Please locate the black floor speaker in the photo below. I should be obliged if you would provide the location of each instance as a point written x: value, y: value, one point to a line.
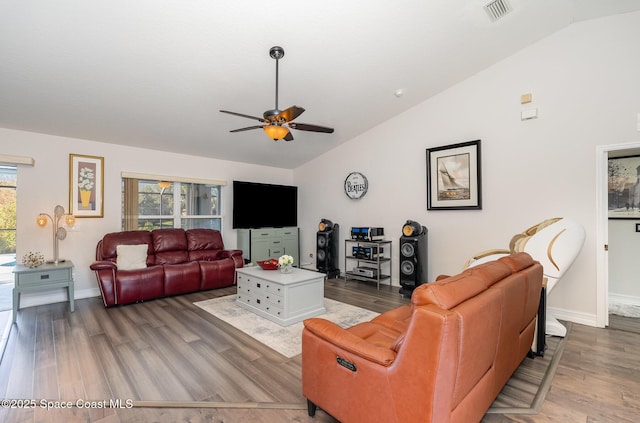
x: 327, y: 245
x: 413, y: 257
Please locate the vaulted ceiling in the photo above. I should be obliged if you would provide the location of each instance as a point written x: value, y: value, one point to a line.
x: 155, y: 73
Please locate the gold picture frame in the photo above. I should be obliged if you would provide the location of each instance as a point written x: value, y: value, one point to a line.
x: 86, y: 185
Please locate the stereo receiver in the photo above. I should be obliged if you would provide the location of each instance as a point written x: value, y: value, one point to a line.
x: 367, y: 252
x: 367, y: 233
x: 369, y: 272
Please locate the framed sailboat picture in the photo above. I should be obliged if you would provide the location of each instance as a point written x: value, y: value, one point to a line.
x: 454, y: 177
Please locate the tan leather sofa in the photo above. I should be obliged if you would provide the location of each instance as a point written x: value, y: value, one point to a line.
x: 444, y: 358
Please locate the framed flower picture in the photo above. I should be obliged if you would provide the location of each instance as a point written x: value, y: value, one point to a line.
x: 86, y: 186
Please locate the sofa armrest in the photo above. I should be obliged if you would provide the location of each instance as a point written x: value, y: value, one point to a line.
x: 230, y: 253
x: 344, y: 339
x: 103, y: 265
x: 236, y: 255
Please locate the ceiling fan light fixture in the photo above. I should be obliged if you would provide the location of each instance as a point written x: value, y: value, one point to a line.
x: 276, y: 122
x: 276, y: 132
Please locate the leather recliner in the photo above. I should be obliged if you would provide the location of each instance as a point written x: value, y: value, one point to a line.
x: 444, y: 358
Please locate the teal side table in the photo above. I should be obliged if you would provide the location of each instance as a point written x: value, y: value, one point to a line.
x: 41, y: 278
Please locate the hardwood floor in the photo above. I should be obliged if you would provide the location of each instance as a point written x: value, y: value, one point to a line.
x: 629, y: 324
x: 169, y: 350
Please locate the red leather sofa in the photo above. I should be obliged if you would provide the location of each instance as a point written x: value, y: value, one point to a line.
x: 442, y: 359
x: 178, y: 261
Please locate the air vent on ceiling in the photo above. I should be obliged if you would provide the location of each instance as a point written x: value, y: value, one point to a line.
x: 496, y: 9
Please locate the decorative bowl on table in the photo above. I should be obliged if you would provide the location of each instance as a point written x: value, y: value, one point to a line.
x: 268, y: 264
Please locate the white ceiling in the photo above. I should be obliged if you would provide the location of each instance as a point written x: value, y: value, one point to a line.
x: 155, y: 73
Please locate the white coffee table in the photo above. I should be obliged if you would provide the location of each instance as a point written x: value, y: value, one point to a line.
x: 283, y: 298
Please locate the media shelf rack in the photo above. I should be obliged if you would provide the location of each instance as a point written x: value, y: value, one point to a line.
x: 370, y: 255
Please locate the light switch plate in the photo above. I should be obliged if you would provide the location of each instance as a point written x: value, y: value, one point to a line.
x: 529, y: 114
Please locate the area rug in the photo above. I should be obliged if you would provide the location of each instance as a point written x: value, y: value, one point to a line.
x: 527, y: 388
x: 285, y: 340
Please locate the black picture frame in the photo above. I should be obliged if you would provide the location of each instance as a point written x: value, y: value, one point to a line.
x: 454, y: 177
x: 623, y: 187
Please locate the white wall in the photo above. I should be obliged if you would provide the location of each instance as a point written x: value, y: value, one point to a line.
x: 43, y: 186
x: 584, y: 81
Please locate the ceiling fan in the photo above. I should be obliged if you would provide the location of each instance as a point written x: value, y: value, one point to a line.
x: 276, y: 122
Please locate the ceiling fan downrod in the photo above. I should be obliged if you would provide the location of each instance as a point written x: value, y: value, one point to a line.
x: 277, y: 53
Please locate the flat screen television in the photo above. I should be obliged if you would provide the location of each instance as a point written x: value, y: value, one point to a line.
x: 257, y: 205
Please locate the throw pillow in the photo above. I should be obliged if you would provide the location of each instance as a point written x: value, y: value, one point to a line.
x: 131, y: 257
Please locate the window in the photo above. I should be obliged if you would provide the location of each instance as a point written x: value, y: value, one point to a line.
x: 152, y: 204
x: 8, y: 182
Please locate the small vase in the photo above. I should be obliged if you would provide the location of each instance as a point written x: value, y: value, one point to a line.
x: 286, y: 269
x: 85, y: 197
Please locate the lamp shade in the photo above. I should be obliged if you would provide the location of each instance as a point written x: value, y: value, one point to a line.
x: 41, y: 220
x: 70, y: 220
x: 276, y: 132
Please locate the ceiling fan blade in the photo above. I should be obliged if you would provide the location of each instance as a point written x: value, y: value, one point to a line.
x: 312, y: 128
x: 247, y: 128
x: 290, y: 114
x: 289, y: 137
x: 246, y: 116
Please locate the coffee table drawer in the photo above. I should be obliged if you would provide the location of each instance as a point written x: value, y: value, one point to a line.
x: 243, y: 297
x: 40, y: 277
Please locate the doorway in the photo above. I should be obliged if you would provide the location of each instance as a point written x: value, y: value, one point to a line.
x: 603, y: 153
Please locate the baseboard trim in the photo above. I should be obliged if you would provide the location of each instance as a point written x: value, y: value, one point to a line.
x: 624, y: 299
x: 586, y: 319
x: 624, y: 305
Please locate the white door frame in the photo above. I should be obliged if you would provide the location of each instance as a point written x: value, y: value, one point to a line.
x: 602, y: 228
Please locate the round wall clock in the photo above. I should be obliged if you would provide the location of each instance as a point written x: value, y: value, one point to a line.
x: 356, y: 185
